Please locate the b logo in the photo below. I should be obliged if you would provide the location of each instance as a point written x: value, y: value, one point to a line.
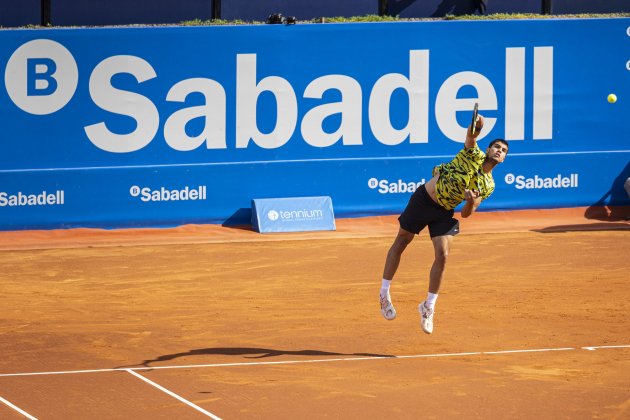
x: 41, y: 77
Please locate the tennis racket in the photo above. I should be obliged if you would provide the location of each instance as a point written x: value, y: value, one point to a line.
x: 473, y: 129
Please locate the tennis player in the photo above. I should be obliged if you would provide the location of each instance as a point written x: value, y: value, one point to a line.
x: 467, y: 178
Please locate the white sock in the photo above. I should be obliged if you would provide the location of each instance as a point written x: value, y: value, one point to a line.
x: 385, y: 287
x: 431, y: 298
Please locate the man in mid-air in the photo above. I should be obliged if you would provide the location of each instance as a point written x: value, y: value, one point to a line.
x: 468, y: 177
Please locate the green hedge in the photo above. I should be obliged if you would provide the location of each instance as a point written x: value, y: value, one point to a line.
x: 377, y: 18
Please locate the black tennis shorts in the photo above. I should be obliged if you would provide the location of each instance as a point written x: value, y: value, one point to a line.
x: 422, y: 211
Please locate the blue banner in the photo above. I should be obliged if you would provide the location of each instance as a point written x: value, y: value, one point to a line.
x: 164, y: 126
x: 292, y: 214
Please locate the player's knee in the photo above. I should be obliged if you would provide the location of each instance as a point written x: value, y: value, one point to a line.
x: 401, y: 243
x: 398, y: 247
x: 441, y: 256
x: 404, y: 240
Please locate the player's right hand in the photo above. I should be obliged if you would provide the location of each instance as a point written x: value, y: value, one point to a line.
x: 478, y: 127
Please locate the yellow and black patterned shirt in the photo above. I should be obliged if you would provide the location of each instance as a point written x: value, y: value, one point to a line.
x: 463, y: 172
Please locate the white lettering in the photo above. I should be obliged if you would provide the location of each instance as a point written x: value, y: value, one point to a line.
x: 247, y: 93
x: 41, y: 78
x: 447, y: 104
x: 400, y: 186
x: 515, y: 93
x: 301, y: 214
x: 349, y: 108
x: 213, y: 113
x: 521, y: 182
x: 417, y: 88
x: 543, y: 93
x: 122, y: 102
x: 146, y: 194
x: 42, y: 199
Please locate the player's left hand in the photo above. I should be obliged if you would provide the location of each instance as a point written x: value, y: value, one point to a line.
x: 471, y: 195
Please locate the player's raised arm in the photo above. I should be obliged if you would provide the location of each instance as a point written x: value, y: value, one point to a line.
x: 471, y: 138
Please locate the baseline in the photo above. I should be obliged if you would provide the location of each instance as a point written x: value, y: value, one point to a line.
x: 339, y: 359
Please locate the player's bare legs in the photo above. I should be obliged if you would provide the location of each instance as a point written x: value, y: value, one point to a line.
x: 441, y: 246
x: 403, y: 238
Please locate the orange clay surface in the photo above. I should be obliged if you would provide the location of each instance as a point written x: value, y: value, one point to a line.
x: 533, y: 321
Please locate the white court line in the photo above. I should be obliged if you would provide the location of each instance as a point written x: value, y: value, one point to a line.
x: 603, y: 347
x: 174, y: 395
x: 416, y: 356
x: 529, y: 351
x: 18, y: 409
x: 289, y: 362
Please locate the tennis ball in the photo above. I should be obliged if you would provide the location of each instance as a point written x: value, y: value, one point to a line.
x: 612, y: 98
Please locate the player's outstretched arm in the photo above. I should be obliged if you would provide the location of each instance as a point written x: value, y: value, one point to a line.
x: 471, y: 139
x: 473, y: 199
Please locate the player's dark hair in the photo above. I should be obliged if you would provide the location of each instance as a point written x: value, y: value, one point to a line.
x: 499, y: 141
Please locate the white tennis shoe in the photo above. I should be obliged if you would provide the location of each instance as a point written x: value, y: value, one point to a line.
x: 426, y: 318
x: 387, y: 309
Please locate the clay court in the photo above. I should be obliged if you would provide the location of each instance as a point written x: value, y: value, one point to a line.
x: 533, y: 321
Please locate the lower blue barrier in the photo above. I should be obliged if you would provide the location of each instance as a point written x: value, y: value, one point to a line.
x: 222, y: 193
x: 292, y: 214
